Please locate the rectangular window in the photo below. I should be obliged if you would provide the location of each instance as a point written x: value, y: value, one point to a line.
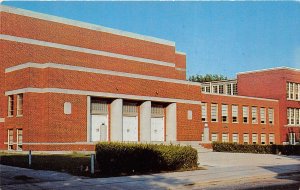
x: 293, y: 116
x: 99, y: 107
x: 221, y: 89
x: 207, y: 89
x: 235, y: 114
x: 157, y: 110
x: 214, y: 112
x: 235, y: 138
x: 263, y: 138
x: 225, y: 137
x: 229, y: 89
x: 246, y: 138
x: 271, y: 115
x: 297, y: 116
x: 296, y: 91
x: 215, y: 89
x: 224, y: 113
x: 245, y: 114
x: 293, y: 91
x: 10, y: 139
x: 130, y: 109
x: 263, y: 115
x: 203, y: 89
x: 19, y: 104
x: 11, y: 105
x: 204, y: 111
x: 19, y: 139
x: 288, y: 90
x: 214, y: 137
x: 235, y: 90
x: 254, y: 115
x: 271, y: 139
x: 254, y: 138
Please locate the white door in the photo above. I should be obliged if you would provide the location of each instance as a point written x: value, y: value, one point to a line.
x: 130, y: 128
x: 157, y: 129
x: 99, y: 131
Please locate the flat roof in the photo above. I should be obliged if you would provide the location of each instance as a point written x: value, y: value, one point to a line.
x: 269, y: 69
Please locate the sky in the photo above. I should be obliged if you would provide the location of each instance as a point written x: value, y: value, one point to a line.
x: 218, y: 37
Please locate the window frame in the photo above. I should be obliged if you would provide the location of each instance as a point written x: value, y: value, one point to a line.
x: 20, y: 103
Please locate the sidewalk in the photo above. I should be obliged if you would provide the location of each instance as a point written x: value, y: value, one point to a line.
x: 219, y: 168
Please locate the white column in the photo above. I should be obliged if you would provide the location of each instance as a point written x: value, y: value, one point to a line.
x: 206, y: 133
x: 171, y: 123
x: 145, y: 124
x: 88, y: 119
x: 116, y: 123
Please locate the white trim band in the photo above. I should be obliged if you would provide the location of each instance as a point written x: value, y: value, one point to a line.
x: 179, y: 52
x: 85, y: 25
x: 236, y: 96
x: 59, y: 143
x: 99, y: 94
x: 182, y: 69
x: 97, y: 71
x: 2, y: 120
x: 83, y: 50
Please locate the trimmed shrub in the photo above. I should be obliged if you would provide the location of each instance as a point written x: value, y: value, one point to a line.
x: 129, y: 158
x: 255, y: 148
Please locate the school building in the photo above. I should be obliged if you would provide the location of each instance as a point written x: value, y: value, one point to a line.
x: 66, y: 85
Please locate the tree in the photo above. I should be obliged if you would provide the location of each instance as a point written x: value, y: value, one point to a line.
x: 207, y: 78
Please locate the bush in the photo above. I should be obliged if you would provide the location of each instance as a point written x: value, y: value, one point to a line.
x: 255, y: 148
x: 129, y: 158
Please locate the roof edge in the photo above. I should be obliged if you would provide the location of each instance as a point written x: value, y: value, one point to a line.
x: 269, y: 69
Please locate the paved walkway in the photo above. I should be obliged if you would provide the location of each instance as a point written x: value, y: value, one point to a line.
x: 220, y: 168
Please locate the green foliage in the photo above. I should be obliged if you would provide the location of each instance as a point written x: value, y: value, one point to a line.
x: 129, y: 158
x: 255, y: 148
x: 207, y: 78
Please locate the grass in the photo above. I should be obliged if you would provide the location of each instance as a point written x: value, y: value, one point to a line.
x: 75, y: 163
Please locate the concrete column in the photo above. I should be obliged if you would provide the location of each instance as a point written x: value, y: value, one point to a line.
x: 88, y: 119
x: 171, y: 123
x: 205, y: 133
x: 145, y: 124
x: 116, y: 123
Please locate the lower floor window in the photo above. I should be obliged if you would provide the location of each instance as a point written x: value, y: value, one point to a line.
x: 246, y: 138
x: 225, y: 137
x: 19, y: 139
x: 271, y: 139
x: 263, y: 138
x: 214, y: 137
x: 10, y: 139
x: 235, y: 138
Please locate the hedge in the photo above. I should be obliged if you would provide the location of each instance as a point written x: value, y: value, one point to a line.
x: 130, y: 158
x: 255, y: 148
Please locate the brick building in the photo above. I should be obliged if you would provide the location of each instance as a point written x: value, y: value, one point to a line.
x: 65, y: 85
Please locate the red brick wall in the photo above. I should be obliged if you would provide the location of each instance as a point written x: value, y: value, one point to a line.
x: 272, y: 84
x: 188, y: 130
x: 240, y: 127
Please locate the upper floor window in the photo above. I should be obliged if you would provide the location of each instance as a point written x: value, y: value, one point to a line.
x: 224, y: 113
x: 214, y: 112
x: 234, y: 114
x: 19, y: 104
x: 10, y: 105
x: 271, y: 115
x: 293, y: 91
x: 263, y: 115
x: 234, y: 89
x: 229, y: 89
x: 215, y: 89
x: 221, y: 89
x: 204, y: 111
x: 245, y: 114
x: 207, y: 89
x: 254, y: 115
x: 293, y: 116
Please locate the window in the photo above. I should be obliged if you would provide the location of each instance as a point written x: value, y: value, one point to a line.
x: 254, y: 115
x: 254, y: 138
x: 271, y: 115
x: 235, y: 138
x: 225, y: 137
x: 19, y: 139
x: 271, y: 139
x: 10, y: 139
x: 293, y: 91
x: 19, y: 104
x: 214, y: 137
x: 204, y: 111
x: 207, y: 89
x: 189, y: 114
x: 157, y: 110
x: 263, y: 115
x: 11, y: 105
x: 263, y: 138
x: 215, y: 89
x: 214, y: 112
x: 245, y: 114
x: 246, y: 138
x: 229, y: 89
x: 203, y: 89
x: 99, y: 107
x: 293, y: 116
x: 234, y: 114
x: 224, y: 113
x: 221, y: 89
x: 130, y: 109
x: 235, y: 90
